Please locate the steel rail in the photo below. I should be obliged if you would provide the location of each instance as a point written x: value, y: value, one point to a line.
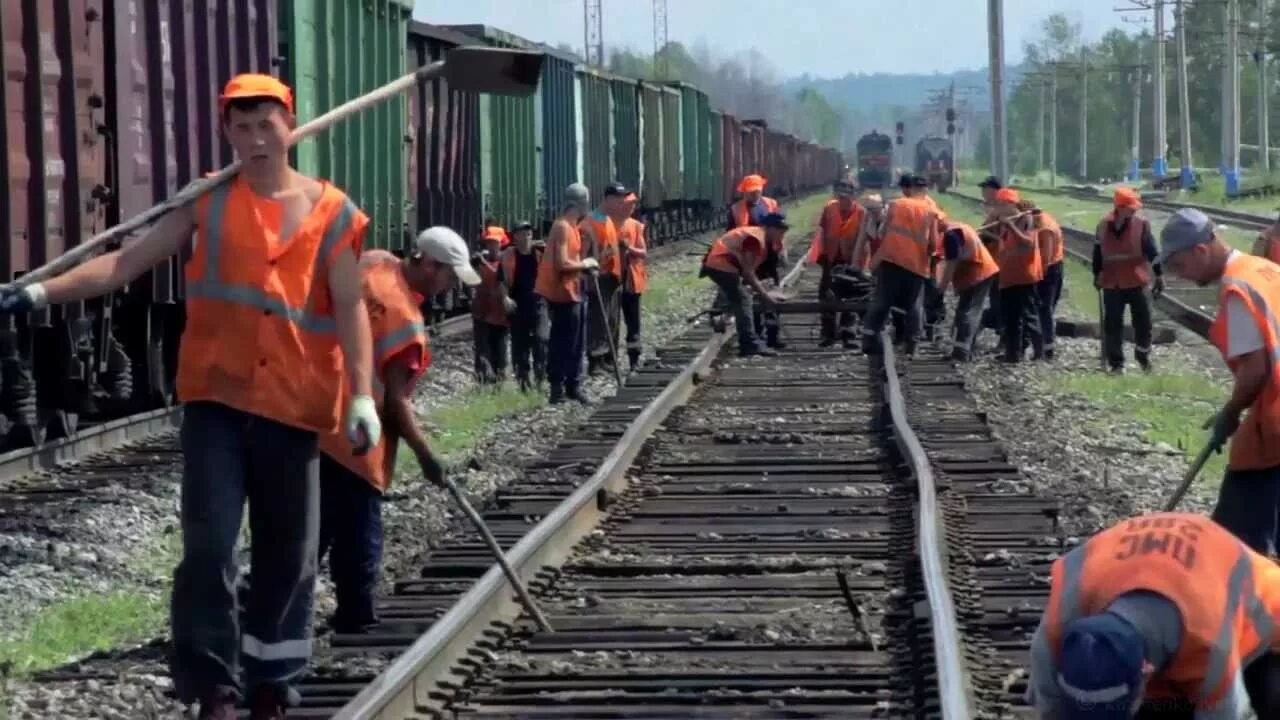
x: 953, y: 675
x: 1225, y: 216
x: 92, y: 439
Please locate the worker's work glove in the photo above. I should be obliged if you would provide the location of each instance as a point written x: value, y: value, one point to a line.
x: 509, y: 305
x: 23, y: 299
x: 363, y: 427
x: 432, y: 470
x: 591, y: 265
x: 1224, y: 425
x: 1158, y: 288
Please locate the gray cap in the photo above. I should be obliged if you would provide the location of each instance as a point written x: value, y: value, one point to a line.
x: 577, y: 196
x: 1187, y: 228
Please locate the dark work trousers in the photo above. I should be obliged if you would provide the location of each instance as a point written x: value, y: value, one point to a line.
x: 968, y: 319
x: 826, y: 291
x: 490, y: 343
x: 992, y: 318
x: 1114, y: 302
x: 568, y: 343
x: 530, y: 331
x: 1248, y: 505
x: 230, y: 457
x: 600, y: 334
x: 1048, y: 292
x: 1021, y: 319
x: 351, y: 534
x: 896, y: 288
x: 736, y: 298
x: 630, y: 303
x: 935, y: 303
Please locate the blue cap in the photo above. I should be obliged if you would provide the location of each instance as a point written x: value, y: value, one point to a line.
x: 775, y: 219
x: 1100, y: 668
x: 1187, y: 228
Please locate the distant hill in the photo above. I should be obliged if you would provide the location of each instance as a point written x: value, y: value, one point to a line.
x: 863, y: 93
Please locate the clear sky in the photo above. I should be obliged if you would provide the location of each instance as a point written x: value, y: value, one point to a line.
x: 824, y: 38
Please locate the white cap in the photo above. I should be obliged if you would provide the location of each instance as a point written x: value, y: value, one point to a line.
x: 448, y: 248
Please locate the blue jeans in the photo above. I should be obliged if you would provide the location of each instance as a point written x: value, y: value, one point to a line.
x: 567, y: 347
x: 230, y: 457
x: 351, y: 534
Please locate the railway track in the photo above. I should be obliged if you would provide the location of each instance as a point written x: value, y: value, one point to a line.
x: 1226, y: 216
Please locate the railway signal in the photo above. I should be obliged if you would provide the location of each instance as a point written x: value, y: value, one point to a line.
x: 901, y: 129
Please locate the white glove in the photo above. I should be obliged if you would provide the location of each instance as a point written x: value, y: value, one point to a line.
x: 363, y: 423
x: 591, y: 264
x: 509, y: 305
x: 26, y: 299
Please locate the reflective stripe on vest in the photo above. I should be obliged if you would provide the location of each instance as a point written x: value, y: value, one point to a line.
x: 1260, y: 303
x: 211, y: 288
x: 385, y: 344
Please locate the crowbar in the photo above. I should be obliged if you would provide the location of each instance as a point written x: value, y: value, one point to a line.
x: 608, y: 329
x: 1189, y: 478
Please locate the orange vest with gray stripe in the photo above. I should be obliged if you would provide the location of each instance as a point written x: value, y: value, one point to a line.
x: 604, y: 242
x: 1226, y: 594
x: 260, y: 334
x: 1019, y: 259
x: 1048, y: 228
x: 739, y: 248
x: 1256, y: 281
x: 1123, y: 264
x: 910, y: 235
x: 974, y: 263
x: 636, y: 277
x: 397, y: 326
x: 837, y: 232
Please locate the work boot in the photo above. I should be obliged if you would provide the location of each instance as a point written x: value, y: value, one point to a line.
x: 1144, y: 362
x: 1048, y: 354
x: 267, y: 702
x: 774, y: 341
x: 960, y: 355
x: 1117, y: 369
x: 522, y: 381
x: 219, y: 705
x: 717, y: 322
x: 557, y: 394
x: 761, y: 351
x: 593, y: 366
x: 574, y: 392
x: 633, y: 357
x: 826, y: 341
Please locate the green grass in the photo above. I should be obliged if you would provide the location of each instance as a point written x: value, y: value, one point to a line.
x: 77, y: 626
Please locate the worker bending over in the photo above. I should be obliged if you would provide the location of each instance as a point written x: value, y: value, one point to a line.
x: 901, y: 266
x: 731, y: 264
x: 833, y: 245
x: 635, y: 275
x: 530, y: 327
x: 1246, y: 334
x: 561, y: 283
x: 1049, y: 289
x: 351, y: 486
x: 491, y: 309
x: 1124, y: 255
x: 600, y: 241
x: 1020, y: 271
x: 1161, y: 616
x: 973, y: 272
x: 274, y: 318
x: 749, y: 212
x: 989, y: 232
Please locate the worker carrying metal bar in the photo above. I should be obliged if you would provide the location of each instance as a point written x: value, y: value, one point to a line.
x: 731, y: 263
x: 750, y: 211
x: 635, y: 274
x: 274, y: 317
x: 1020, y: 271
x: 530, y: 326
x: 1049, y: 289
x: 352, y: 486
x: 970, y: 268
x: 1245, y: 331
x: 901, y: 265
x: 491, y: 308
x: 832, y: 249
x: 562, y: 284
x: 1124, y: 260
x: 600, y: 241
x: 1164, y: 615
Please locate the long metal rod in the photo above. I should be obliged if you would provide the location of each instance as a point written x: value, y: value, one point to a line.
x: 995, y: 42
x: 1186, y: 174
x: 1158, y: 139
x: 608, y: 329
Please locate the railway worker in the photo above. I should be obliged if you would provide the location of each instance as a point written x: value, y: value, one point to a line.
x: 1165, y: 615
x: 832, y: 249
x: 991, y: 318
x: 901, y: 266
x: 1246, y: 334
x: 600, y: 241
x: 747, y: 212
x: 732, y: 263
x: 935, y: 306
x: 971, y: 269
x: 561, y: 283
x: 753, y: 206
x: 491, y: 308
x: 1020, y: 271
x: 1124, y: 259
x: 530, y: 326
x: 635, y: 274
x: 1048, y: 290
x: 274, y: 316
x: 351, y: 486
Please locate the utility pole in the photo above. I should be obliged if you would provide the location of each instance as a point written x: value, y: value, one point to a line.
x: 1053, y: 127
x: 995, y: 41
x: 1186, y: 176
x: 1260, y: 56
x: 593, y: 32
x: 660, y: 38
x: 1135, y: 142
x: 1232, y: 126
x: 1159, y: 140
x: 1084, y: 115
x: 1044, y: 88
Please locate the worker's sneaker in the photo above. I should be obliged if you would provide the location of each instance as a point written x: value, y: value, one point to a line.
x: 1117, y: 370
x: 718, y: 323
x: 761, y: 351
x: 1145, y: 364
x: 633, y: 359
x: 219, y: 705
x: 574, y: 392
x: 959, y: 355
x: 267, y: 702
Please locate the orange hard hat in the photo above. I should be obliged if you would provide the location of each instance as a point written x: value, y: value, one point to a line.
x: 493, y: 232
x: 1127, y: 198
x: 1008, y: 195
x: 255, y: 85
x: 751, y: 183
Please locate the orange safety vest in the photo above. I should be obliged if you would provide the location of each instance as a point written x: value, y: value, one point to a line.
x: 729, y: 251
x: 260, y: 334
x: 937, y: 211
x: 1046, y: 224
x: 636, y: 279
x: 836, y: 233
x: 604, y: 236
x: 397, y: 325
x: 742, y: 213
x: 487, y: 306
x: 1256, y: 281
x: 1123, y: 264
x: 1226, y: 594
x: 552, y: 284
x: 910, y: 234
x: 1019, y: 260
x: 974, y: 263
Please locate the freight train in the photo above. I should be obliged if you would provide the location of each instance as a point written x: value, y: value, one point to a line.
x: 875, y: 160
x: 111, y: 106
x: 933, y: 161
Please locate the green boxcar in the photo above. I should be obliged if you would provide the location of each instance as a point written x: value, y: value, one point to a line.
x: 335, y: 51
x: 595, y: 126
x: 706, y: 188
x: 673, y: 160
x: 626, y: 132
x: 695, y: 141
x: 715, y: 164
x: 653, y: 184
